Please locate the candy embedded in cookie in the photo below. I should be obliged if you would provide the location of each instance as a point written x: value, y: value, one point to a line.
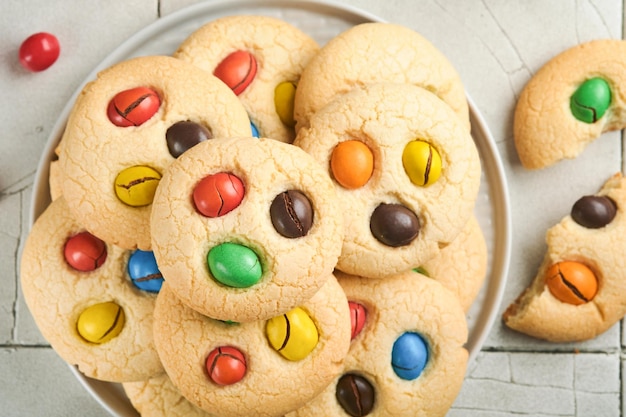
x: 409, y: 346
x: 578, y: 290
x: 261, y: 368
x: 570, y: 102
x: 406, y: 172
x: 247, y: 228
x: 84, y: 298
x: 124, y: 130
x: 260, y: 58
x: 372, y: 53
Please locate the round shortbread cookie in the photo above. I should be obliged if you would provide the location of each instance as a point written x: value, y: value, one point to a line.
x: 377, y: 52
x: 262, y: 382
x: 406, y: 357
x: 270, y: 52
x: 570, y: 102
x: 385, y: 121
x: 273, y: 271
x: 583, y: 297
x: 95, y: 150
x: 60, y: 297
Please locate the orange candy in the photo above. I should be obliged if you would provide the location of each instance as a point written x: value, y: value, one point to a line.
x: 572, y: 282
x: 352, y: 164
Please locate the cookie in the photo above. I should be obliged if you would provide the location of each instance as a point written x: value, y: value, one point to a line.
x: 261, y: 59
x: 81, y: 294
x: 406, y: 356
x: 245, y: 229
x: 377, y: 52
x: 570, y: 102
x: 406, y: 172
x: 125, y: 128
x: 578, y: 291
x: 461, y: 266
x: 262, y: 368
x: 158, y: 397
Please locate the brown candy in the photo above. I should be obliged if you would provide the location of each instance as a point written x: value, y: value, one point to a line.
x: 594, y: 212
x: 355, y: 394
x: 184, y: 135
x: 394, y: 225
x: 292, y: 214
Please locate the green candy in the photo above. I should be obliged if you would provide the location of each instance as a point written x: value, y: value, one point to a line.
x: 234, y: 265
x: 591, y: 100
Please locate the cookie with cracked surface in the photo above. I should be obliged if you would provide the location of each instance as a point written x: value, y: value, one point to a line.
x: 261, y: 368
x: 81, y: 294
x: 245, y: 229
x: 377, y: 52
x: 406, y: 173
x: 574, y: 98
x: 261, y: 59
x: 578, y: 291
x: 125, y: 128
x: 407, y: 346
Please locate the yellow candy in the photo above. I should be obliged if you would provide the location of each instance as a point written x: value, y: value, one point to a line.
x: 422, y: 162
x: 100, y: 323
x: 284, y: 95
x: 293, y: 334
x: 135, y: 186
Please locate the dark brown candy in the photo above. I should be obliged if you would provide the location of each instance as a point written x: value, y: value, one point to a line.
x: 292, y: 214
x: 593, y: 211
x: 394, y: 225
x: 184, y: 135
x: 355, y: 394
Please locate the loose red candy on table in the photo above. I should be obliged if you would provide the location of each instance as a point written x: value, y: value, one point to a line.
x: 39, y: 51
x: 217, y: 194
x: 133, y: 107
x: 85, y: 252
x: 237, y: 70
x: 226, y: 365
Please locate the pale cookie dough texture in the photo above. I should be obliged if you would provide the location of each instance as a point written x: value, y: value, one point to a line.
x: 377, y: 52
x: 272, y: 385
x: 407, y: 302
x: 293, y: 269
x: 386, y: 117
x: 545, y: 129
x: 56, y: 294
x: 93, y: 150
x: 538, y: 313
x: 281, y: 50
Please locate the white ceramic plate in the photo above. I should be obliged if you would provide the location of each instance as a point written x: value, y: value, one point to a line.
x: 322, y: 20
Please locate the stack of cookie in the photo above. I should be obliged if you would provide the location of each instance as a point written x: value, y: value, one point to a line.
x: 255, y: 208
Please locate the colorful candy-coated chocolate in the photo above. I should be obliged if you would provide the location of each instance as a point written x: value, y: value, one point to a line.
x: 421, y: 270
x: 355, y: 394
x: 594, y: 212
x: 218, y: 194
x: 255, y: 130
x: 39, y: 51
x: 352, y: 164
x: 135, y: 186
x: 358, y: 315
x: 409, y: 356
x: 294, y: 334
x: 85, y: 252
x: 234, y: 265
x: 184, y: 135
x: 394, y: 225
x: 284, y: 95
x: 291, y: 213
x: 226, y: 365
x: 237, y: 70
x: 144, y: 271
x: 422, y: 162
x: 101, y: 322
x: 133, y: 107
x: 591, y: 100
x: 571, y: 282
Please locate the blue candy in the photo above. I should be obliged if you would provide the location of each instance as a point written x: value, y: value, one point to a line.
x: 144, y: 272
x: 409, y: 356
x: 255, y: 131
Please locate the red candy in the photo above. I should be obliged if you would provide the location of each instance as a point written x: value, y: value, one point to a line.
x: 217, y: 194
x: 39, y: 51
x: 133, y: 107
x: 226, y: 365
x: 357, y: 318
x: 237, y: 70
x: 85, y: 252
